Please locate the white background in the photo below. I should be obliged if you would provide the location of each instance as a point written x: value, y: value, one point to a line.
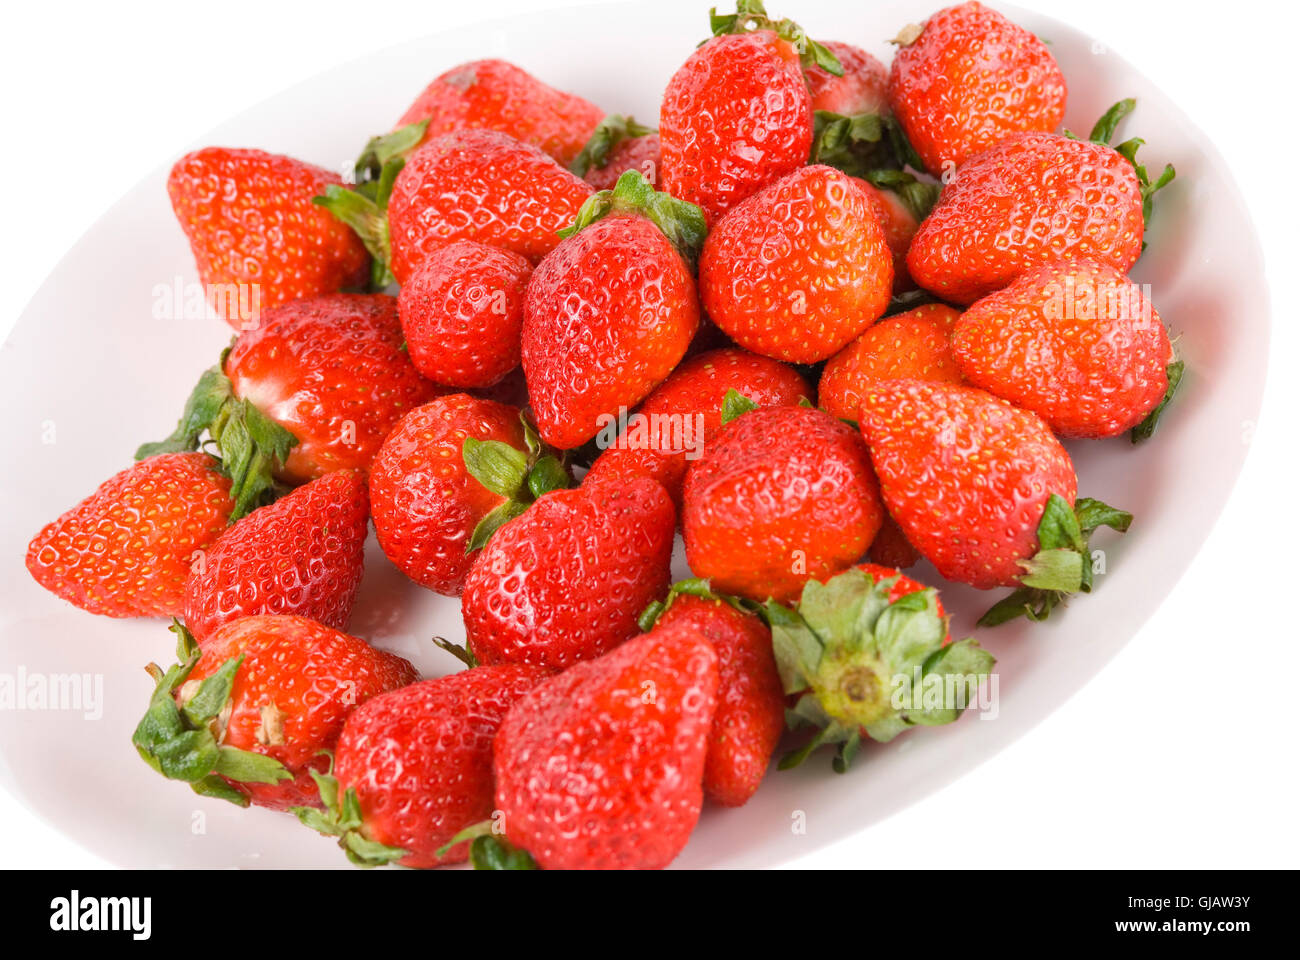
x: 1181, y: 753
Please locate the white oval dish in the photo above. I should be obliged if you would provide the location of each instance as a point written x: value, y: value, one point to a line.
x: 89, y: 372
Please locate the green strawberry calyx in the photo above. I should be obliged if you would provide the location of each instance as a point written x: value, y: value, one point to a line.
x: 692, y: 587
x: 874, y: 148
x: 1063, y: 565
x: 521, y: 476
x: 750, y: 15
x: 861, y: 663
x: 488, y: 850
x: 250, y: 446
x: 1104, y: 131
x: 364, y: 206
x: 183, y: 741
x: 609, y: 133
x: 340, y: 816
x: 681, y: 222
x: 1144, y: 430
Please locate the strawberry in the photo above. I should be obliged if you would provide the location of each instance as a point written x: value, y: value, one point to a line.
x: 969, y: 78
x: 600, y: 767
x: 900, y: 225
x: 864, y: 652
x: 451, y: 473
x: 496, y: 95
x: 245, y: 717
x: 916, y: 344
x: 799, y: 269
x: 859, y: 88
x: 256, y: 237
x: 783, y: 494
x: 566, y: 580
x: 301, y: 555
x: 890, y: 547
x: 462, y: 309
x: 413, y: 767
x: 611, y: 311
x: 1075, y: 342
x: 1034, y: 198
x: 313, y: 390
x: 674, y: 424
x: 750, y: 715
x: 737, y: 116
x: 126, y: 549
x: 982, y: 489
x: 484, y: 186
x: 619, y: 144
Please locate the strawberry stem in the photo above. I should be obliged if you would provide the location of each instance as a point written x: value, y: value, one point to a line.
x: 750, y: 15
x: 340, y: 816
x: 681, y: 222
x: 521, y: 476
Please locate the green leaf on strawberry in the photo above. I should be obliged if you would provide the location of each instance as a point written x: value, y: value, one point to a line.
x: 250, y: 445
x: 609, y: 133
x: 681, y: 222
x: 521, y: 476
x: 382, y: 150
x: 340, y: 816
x: 861, y: 663
x: 488, y: 850
x: 1144, y: 430
x: 1062, y: 566
x: 751, y: 15
x: 181, y: 741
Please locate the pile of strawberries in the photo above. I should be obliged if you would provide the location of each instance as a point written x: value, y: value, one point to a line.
x: 828, y: 319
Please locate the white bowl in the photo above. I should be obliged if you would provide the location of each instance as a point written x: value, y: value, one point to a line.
x: 88, y: 373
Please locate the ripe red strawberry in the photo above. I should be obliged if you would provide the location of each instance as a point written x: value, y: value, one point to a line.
x: 246, y: 717
x: 450, y: 473
x: 126, y: 549
x: 737, y: 116
x: 250, y: 221
x: 618, y: 145
x: 462, y: 309
x: 301, y: 555
x: 675, y: 423
x: 566, y: 580
x: 865, y: 652
x: 479, y: 185
x: 413, y: 767
x: 1034, y: 198
x: 782, y: 495
x: 915, y: 345
x: 600, y: 767
x: 1075, y: 342
x: 750, y: 715
x: 314, y: 389
x: 860, y: 88
x: 968, y: 79
x: 799, y: 269
x: 982, y: 489
x: 900, y: 225
x: 496, y: 95
x: 891, y: 549
x: 611, y: 311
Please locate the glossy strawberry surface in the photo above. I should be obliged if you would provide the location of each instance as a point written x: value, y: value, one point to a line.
x: 420, y: 758
x: 970, y: 79
x: 300, y: 555
x: 601, y: 766
x: 331, y: 371
x: 750, y: 716
x: 480, y: 185
x: 734, y: 118
x: 861, y: 89
x: 783, y: 494
x: 916, y: 344
x: 1077, y: 343
x: 424, y: 502
x: 670, y: 429
x: 496, y: 95
x: 1031, y: 199
x: 642, y: 154
x: 125, y: 550
x: 799, y: 269
x: 250, y: 221
x: 607, y: 317
x: 298, y: 682
x: 965, y: 474
x: 567, y: 580
x: 462, y: 310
